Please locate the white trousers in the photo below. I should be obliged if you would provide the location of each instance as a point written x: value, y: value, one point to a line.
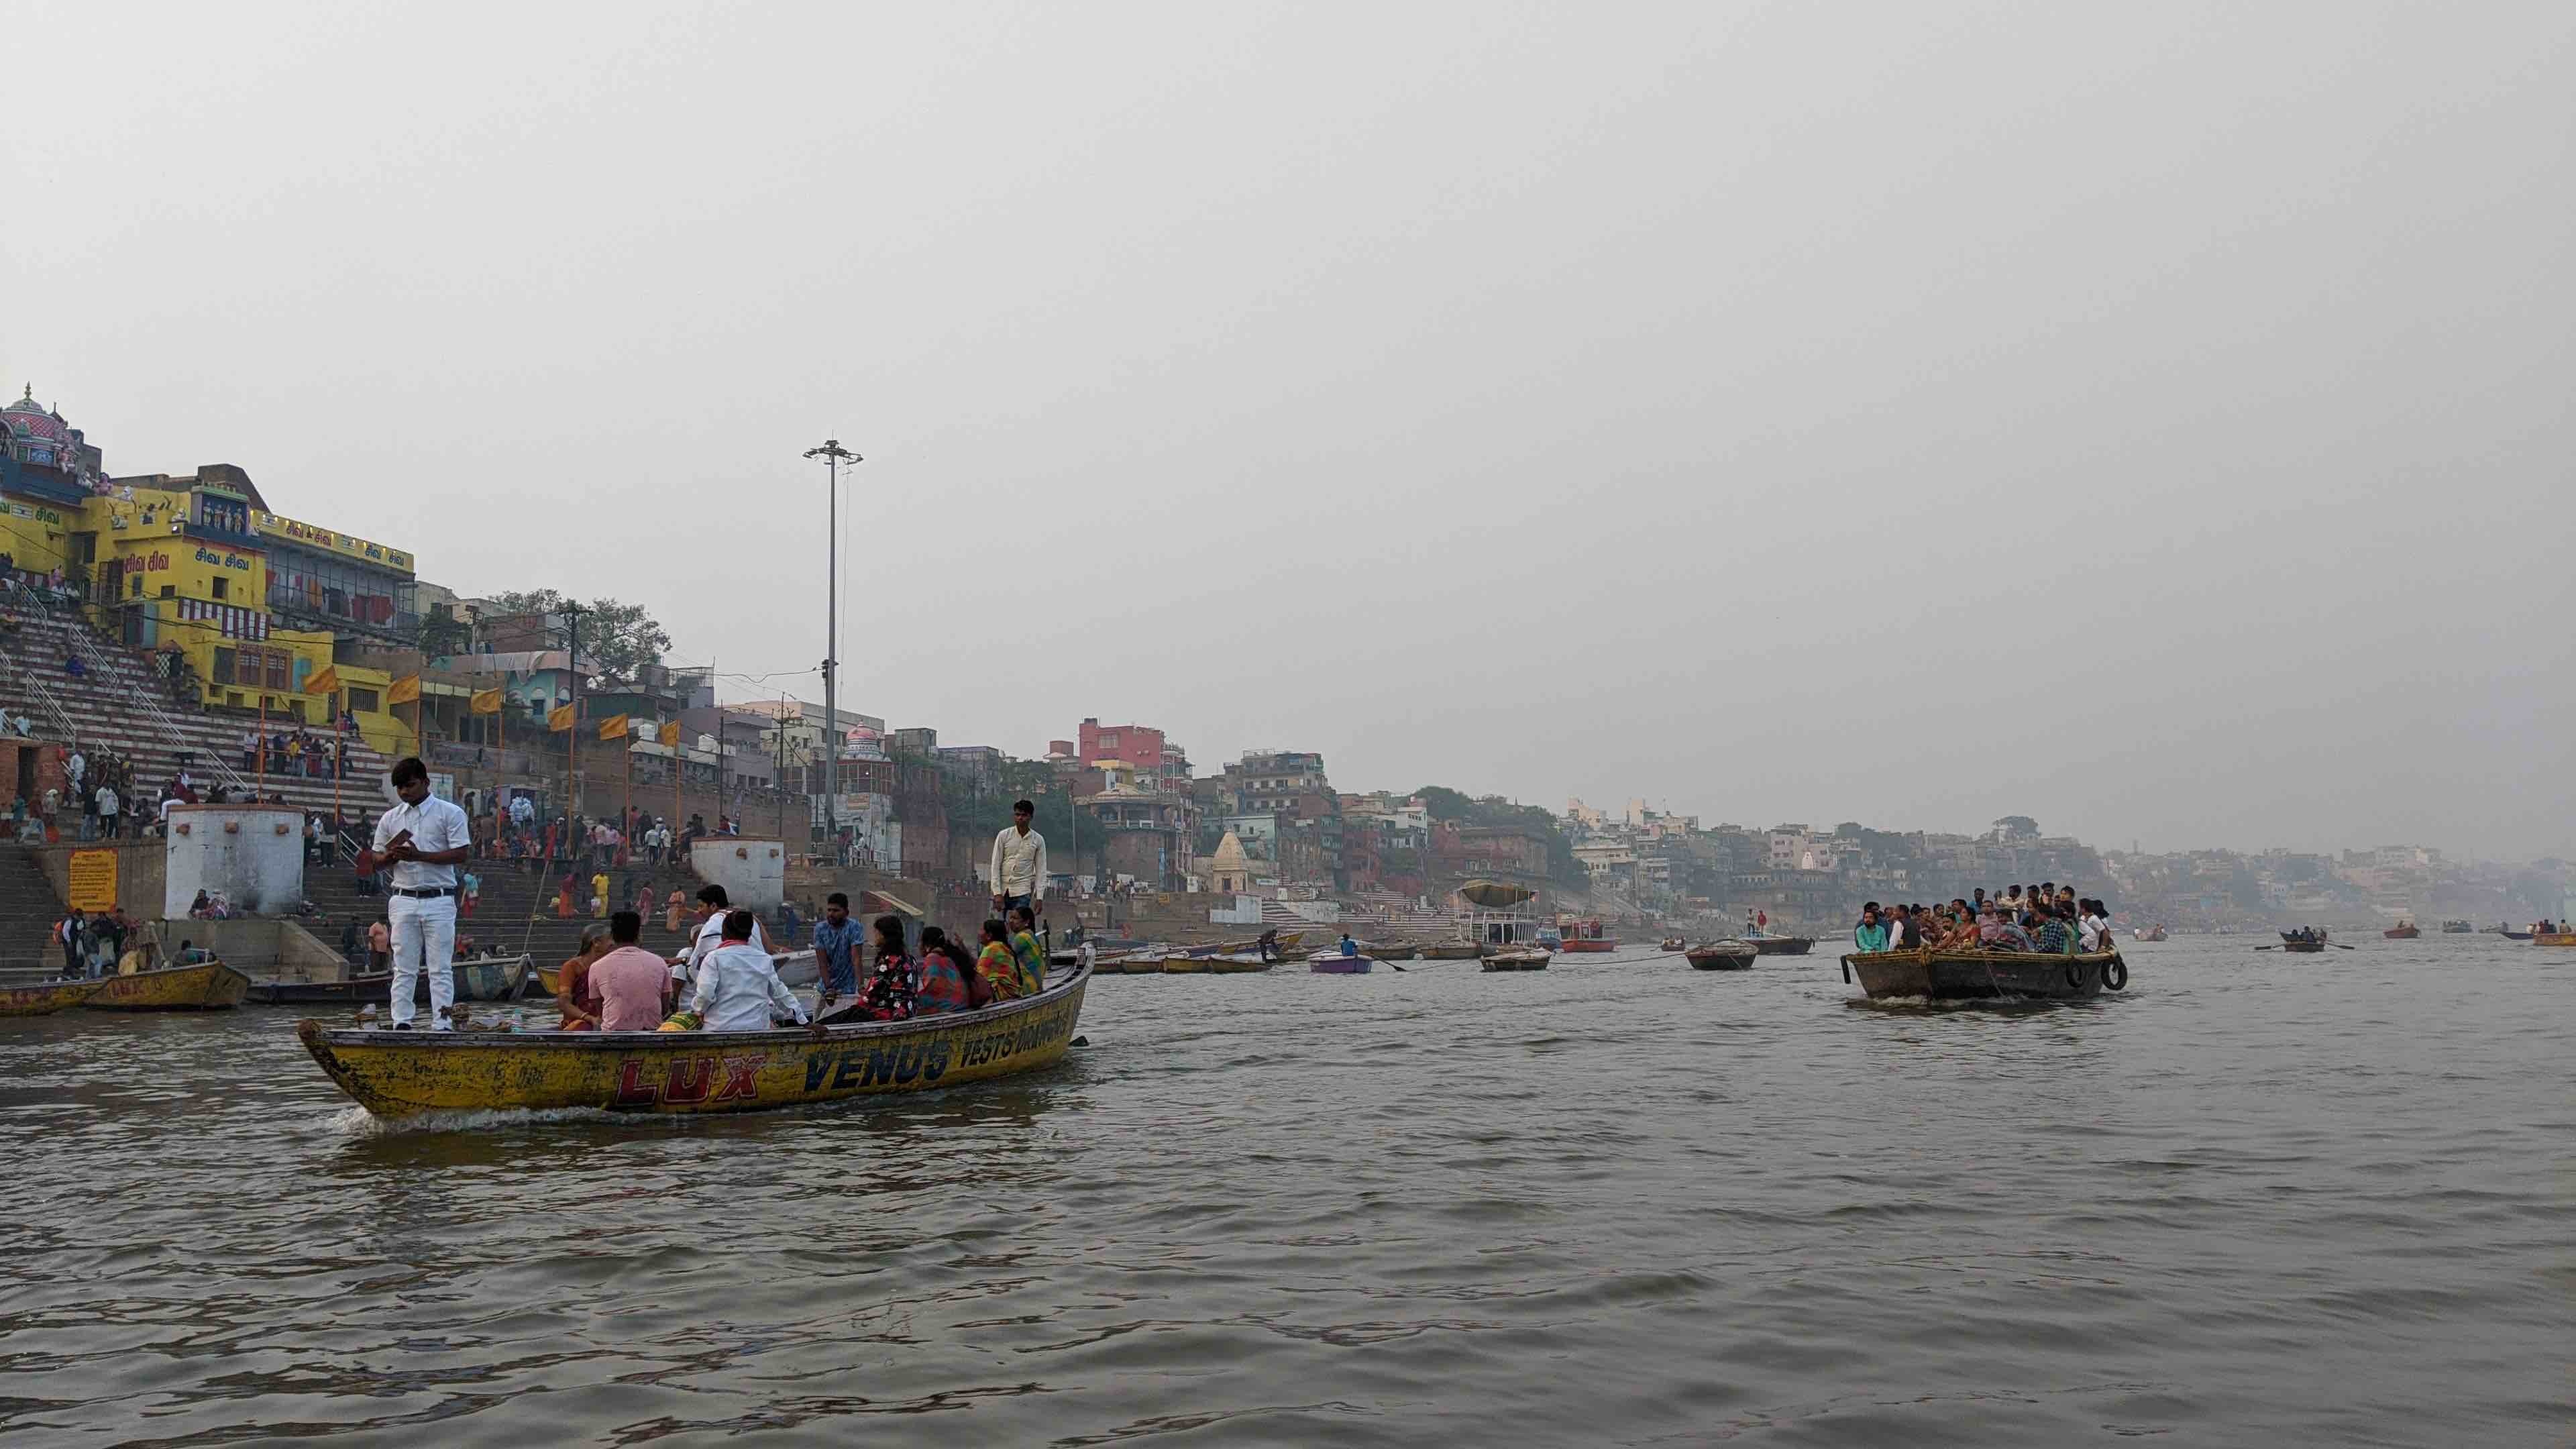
x: 424, y: 940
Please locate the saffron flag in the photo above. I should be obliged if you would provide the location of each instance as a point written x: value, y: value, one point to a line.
x: 325, y: 680
x: 559, y: 718
x: 613, y: 727
x: 405, y: 690
x: 485, y: 701
x: 671, y: 735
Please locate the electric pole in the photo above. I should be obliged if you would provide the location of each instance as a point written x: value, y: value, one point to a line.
x: 572, y: 737
x: 833, y: 456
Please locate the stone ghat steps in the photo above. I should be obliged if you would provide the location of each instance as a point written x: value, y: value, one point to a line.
x: 106, y: 708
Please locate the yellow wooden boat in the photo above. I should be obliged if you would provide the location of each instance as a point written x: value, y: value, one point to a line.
x: 2553, y: 938
x: 205, y: 986
x: 403, y: 1074
x: 46, y: 999
x: 1231, y: 965
x: 1179, y: 965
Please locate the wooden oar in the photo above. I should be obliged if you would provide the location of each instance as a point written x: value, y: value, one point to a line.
x: 2340, y: 946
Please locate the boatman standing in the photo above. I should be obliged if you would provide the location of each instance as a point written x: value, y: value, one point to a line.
x: 422, y: 841
x: 1020, y: 863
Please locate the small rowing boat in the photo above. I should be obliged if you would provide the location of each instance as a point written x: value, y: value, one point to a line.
x: 1185, y: 965
x: 2152, y: 933
x: 2457, y: 928
x: 403, y: 1074
x: 1237, y: 963
x: 1334, y: 963
x: 347, y: 991
x: 1519, y: 959
x: 2404, y: 930
x: 1675, y: 943
x: 45, y: 999
x: 1452, y: 951
x: 2553, y: 938
x: 1985, y: 975
x: 1392, y: 950
x: 1722, y: 956
x: 1769, y: 945
x: 204, y: 986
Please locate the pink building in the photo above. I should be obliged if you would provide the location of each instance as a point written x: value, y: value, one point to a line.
x: 1137, y: 745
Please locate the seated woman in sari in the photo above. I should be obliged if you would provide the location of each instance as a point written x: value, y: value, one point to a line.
x: 997, y: 965
x: 948, y: 979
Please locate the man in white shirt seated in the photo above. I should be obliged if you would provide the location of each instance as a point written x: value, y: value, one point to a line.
x: 713, y: 905
x: 738, y: 988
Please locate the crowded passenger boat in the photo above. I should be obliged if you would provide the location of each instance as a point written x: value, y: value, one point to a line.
x: 2040, y: 942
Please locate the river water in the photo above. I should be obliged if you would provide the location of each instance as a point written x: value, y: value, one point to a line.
x: 2257, y: 1200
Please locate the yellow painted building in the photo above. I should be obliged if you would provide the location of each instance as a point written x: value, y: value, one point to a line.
x: 197, y: 571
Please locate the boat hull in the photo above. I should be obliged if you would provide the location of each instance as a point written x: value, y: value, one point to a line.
x: 1236, y: 965
x: 497, y: 978
x: 1982, y: 975
x: 1385, y: 952
x: 1453, y: 951
x: 1517, y: 961
x: 1185, y: 965
x: 1783, y: 945
x: 405, y: 1074
x: 1589, y: 946
x: 46, y: 999
x: 2305, y: 948
x: 207, y: 986
x: 1714, y: 959
x: 350, y: 991
x: 2402, y: 933
x: 2554, y: 938
x: 1338, y: 965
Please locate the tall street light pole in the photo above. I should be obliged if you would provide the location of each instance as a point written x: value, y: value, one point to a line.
x: 833, y: 456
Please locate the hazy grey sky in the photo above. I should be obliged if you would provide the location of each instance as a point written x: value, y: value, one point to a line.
x: 2152, y: 419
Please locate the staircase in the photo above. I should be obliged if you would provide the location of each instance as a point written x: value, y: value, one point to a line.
x: 28, y: 910
x: 120, y: 703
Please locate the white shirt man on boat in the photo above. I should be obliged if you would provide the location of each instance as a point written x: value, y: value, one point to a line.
x: 738, y: 985
x: 1019, y: 863
x: 422, y: 841
x: 717, y: 904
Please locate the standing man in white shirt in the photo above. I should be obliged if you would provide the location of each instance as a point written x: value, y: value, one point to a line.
x: 1019, y: 864
x: 422, y: 841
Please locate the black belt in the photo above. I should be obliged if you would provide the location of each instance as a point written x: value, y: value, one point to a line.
x: 425, y: 894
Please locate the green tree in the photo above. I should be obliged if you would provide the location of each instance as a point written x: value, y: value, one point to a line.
x: 1443, y: 803
x: 621, y: 639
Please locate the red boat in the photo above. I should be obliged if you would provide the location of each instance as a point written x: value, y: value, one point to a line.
x: 1586, y: 936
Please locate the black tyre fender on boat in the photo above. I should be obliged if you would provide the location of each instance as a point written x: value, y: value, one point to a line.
x: 2074, y: 975
x: 2115, y: 974
x: 1847, y: 971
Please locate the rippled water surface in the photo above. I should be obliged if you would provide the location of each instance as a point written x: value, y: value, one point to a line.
x: 2259, y: 1199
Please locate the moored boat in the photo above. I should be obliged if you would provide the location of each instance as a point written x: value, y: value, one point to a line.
x: 1675, y: 943
x: 1185, y: 964
x: 485, y: 978
x: 1334, y: 963
x: 1452, y: 951
x: 347, y: 991
x: 1392, y: 950
x: 402, y: 1074
x: 45, y: 998
x: 1722, y: 956
x: 2457, y: 928
x: 1517, y: 959
x: 1585, y: 937
x: 1770, y: 945
x: 1237, y: 963
x: 203, y: 986
x: 1985, y: 975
